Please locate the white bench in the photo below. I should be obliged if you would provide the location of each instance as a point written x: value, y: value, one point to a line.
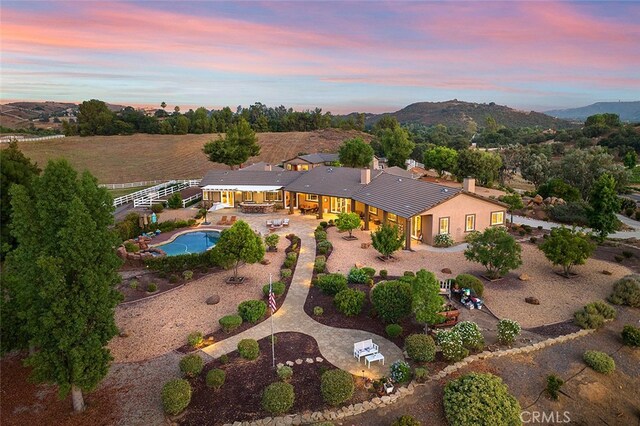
x: 364, y: 348
x: 445, y: 288
x: 372, y: 358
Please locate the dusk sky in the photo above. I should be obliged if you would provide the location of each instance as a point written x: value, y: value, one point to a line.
x: 341, y: 56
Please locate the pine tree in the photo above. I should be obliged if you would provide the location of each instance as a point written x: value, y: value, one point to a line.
x: 63, y: 276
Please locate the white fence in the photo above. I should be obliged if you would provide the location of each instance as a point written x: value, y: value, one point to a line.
x: 131, y: 184
x: 156, y: 196
x: 10, y: 138
x: 190, y: 199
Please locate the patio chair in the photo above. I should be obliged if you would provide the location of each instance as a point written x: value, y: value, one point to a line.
x: 277, y: 223
x: 269, y: 223
x: 285, y: 222
x: 232, y: 220
x: 222, y: 221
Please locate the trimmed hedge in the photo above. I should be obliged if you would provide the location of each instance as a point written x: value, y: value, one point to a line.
x: 420, y: 347
x: 278, y: 288
x: 336, y: 386
x: 191, y: 365
x: 332, y: 284
x: 252, y: 310
x: 215, y: 378
x: 631, y: 335
x: 599, y: 361
x: 176, y: 396
x: 181, y: 263
x: 392, y: 300
x: 393, y: 330
x: 349, y: 301
x: 472, y: 282
x: 278, y: 398
x: 248, y: 349
x: 480, y: 399
x: 230, y: 322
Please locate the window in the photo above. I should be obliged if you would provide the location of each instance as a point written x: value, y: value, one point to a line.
x: 273, y: 196
x: 443, y: 225
x: 312, y: 197
x: 373, y: 210
x: 470, y: 223
x: 289, y: 166
x: 247, y: 196
x: 497, y: 218
x: 303, y: 167
x: 416, y: 227
x: 392, y: 217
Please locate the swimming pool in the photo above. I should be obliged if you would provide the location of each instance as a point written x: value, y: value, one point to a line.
x: 191, y: 242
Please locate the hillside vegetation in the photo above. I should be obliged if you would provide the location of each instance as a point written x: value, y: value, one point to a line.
x: 628, y: 111
x: 140, y: 157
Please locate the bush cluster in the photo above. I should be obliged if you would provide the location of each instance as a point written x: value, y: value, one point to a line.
x: 320, y: 234
x: 406, y: 420
x: 393, y: 330
x: 278, y: 398
x: 248, y: 349
x: 472, y: 337
x: 480, y: 399
x: 508, y: 330
x: 215, y: 378
x: 349, y: 301
x: 277, y: 287
x: 443, y: 240
x: 176, y: 396
x: 420, y: 373
x: 400, y: 372
x: 131, y: 247
x: 392, y: 300
x: 631, y: 335
x: 191, y: 365
x: 324, y: 247
x: 599, y: 361
x: 195, y: 339
x: 170, y: 225
x: 369, y: 271
x: 626, y: 291
x: 230, y: 322
x: 384, y: 274
x: 320, y: 264
x: 357, y: 276
x: 450, y: 342
x: 290, y: 260
x: 336, y: 386
x: 285, y: 372
x: 152, y: 288
x: 572, y: 213
x: 594, y: 314
x: 252, y: 310
x: 171, y: 264
x: 420, y: 347
x: 472, y: 282
x: 285, y: 273
x: 332, y: 284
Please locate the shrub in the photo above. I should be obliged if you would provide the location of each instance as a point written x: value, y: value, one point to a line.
x: 252, y: 310
x: 290, y: 260
x: 285, y: 372
x: 175, y: 201
x: 442, y: 240
x: 323, y: 224
x: 393, y: 330
x: 318, y: 311
x: 420, y: 373
x: 369, y: 271
x: 152, y: 288
x: 272, y: 240
x: 173, y: 278
x: 194, y: 339
x: 131, y: 247
x: 400, y: 372
x: 278, y: 398
x: 508, y: 330
x: 191, y: 365
x: 495, y: 249
x: 277, y: 287
x: 472, y: 338
x: 320, y: 234
x: 627, y: 254
x: 384, y: 274
x: 392, y: 300
x: 133, y: 284
x: 480, y: 399
x: 336, y: 386
x: 594, y: 314
x: 533, y: 240
x: 215, y: 378
x: 332, y: 284
x: 420, y: 347
x: 320, y: 264
x: 248, y: 349
x: 631, y: 335
x: 349, y: 301
x: 409, y: 274
x: 324, y: 247
x: 450, y: 342
x: 472, y: 282
x: 168, y: 264
x: 224, y: 359
x: 176, y: 396
x: 187, y: 275
x: 521, y: 232
x: 406, y: 421
x: 626, y: 291
x: 357, y: 276
x: 230, y: 322
x: 285, y: 273
x: 599, y: 361
x: 157, y: 208
x: 554, y: 383
x: 572, y: 213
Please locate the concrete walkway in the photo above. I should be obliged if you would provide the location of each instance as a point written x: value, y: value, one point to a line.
x: 336, y: 344
x: 548, y: 225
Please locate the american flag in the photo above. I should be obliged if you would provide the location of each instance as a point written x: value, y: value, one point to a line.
x: 272, y: 300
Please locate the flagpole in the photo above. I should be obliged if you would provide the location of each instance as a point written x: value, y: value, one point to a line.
x: 273, y: 344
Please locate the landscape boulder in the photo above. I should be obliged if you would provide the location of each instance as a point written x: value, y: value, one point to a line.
x: 446, y: 271
x: 532, y: 301
x: 524, y: 277
x: 538, y: 199
x: 213, y: 300
x: 122, y: 252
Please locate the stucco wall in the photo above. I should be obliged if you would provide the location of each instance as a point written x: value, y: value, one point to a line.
x: 456, y: 210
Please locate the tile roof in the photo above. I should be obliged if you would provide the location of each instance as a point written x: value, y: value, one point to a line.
x: 398, y: 171
x: 326, y: 180
x: 249, y: 177
x: 320, y: 157
x: 260, y: 166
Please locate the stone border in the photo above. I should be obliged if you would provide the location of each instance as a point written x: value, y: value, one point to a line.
x: 379, y: 402
x: 186, y: 231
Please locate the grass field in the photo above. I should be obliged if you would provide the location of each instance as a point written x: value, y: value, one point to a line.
x: 120, y: 159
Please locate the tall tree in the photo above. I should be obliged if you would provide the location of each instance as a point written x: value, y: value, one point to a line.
x: 630, y: 159
x: 236, y: 147
x: 95, y: 118
x: 484, y: 166
x: 15, y: 169
x: 604, y: 204
x: 427, y: 302
x: 387, y: 240
x: 567, y: 248
x: 441, y: 159
x: 396, y: 145
x: 535, y: 167
x: 239, y: 244
x: 355, y: 153
x: 494, y: 249
x: 63, y: 276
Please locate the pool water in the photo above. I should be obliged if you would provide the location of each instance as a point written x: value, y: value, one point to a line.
x: 191, y: 242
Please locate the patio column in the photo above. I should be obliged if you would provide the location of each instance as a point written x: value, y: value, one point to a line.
x: 407, y: 234
x: 320, y: 206
x: 366, y: 217
x: 292, y: 198
x: 353, y: 205
x: 384, y: 217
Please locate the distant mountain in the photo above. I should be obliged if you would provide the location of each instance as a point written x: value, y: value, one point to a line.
x: 457, y: 113
x: 628, y: 111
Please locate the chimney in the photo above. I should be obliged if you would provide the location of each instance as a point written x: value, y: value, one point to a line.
x: 267, y: 167
x: 365, y: 176
x: 375, y: 164
x: 469, y: 185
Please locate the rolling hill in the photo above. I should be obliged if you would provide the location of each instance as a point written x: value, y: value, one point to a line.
x: 141, y: 157
x: 456, y: 113
x: 628, y: 111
